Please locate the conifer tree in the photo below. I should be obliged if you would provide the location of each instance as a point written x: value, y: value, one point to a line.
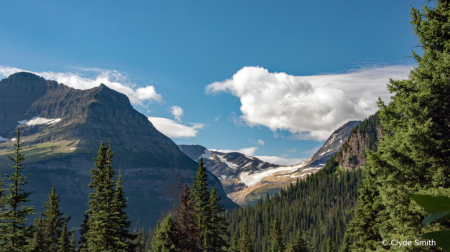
x: 38, y: 241
x: 234, y: 247
x: 126, y: 241
x: 186, y: 223
x: 73, y: 242
x: 330, y: 245
x: 64, y: 244
x: 102, y: 233
x: 217, y: 225
x: 201, y: 197
x: 83, y: 231
x: 165, y: 239
x: 13, y: 221
x: 276, y: 243
x: 299, y: 245
x: 345, y: 247
x: 245, y: 242
x: 413, y: 155
x: 52, y: 221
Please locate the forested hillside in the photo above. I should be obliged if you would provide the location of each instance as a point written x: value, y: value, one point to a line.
x: 318, y: 205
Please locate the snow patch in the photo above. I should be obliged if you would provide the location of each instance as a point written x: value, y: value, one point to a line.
x: 223, y: 176
x: 72, y: 148
x: 13, y: 139
x: 229, y: 164
x: 257, y: 176
x: 38, y: 120
x: 3, y: 139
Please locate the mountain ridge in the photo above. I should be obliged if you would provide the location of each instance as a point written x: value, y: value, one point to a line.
x: 61, y: 153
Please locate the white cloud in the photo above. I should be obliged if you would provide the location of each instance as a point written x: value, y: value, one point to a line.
x: 110, y: 78
x: 310, y: 107
x: 246, y: 151
x: 217, y: 118
x: 173, y: 129
x: 281, y: 160
x: 261, y: 142
x: 177, y: 112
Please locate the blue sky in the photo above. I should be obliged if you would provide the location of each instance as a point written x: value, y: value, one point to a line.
x: 272, y: 78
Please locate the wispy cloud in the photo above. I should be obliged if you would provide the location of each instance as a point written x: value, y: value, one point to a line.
x: 173, y: 129
x: 217, y: 118
x: 110, y: 78
x: 311, y: 107
x: 177, y: 112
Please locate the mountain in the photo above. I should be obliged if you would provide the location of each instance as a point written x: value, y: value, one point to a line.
x: 362, y: 138
x: 62, y: 129
x: 245, y: 178
x: 333, y: 144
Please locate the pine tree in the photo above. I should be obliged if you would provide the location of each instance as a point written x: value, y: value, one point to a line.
x: 413, y: 155
x: 2, y: 210
x: 234, y: 245
x: 13, y: 221
x: 73, y: 242
x: 52, y: 221
x: 38, y: 241
x: 64, y: 244
x: 245, y: 243
x: 299, y: 245
x: 102, y: 234
x: 201, y: 197
x: 126, y: 241
x: 218, y: 224
x: 345, y: 244
x: 330, y: 245
x: 83, y: 231
x: 165, y: 239
x: 276, y: 243
x: 186, y: 223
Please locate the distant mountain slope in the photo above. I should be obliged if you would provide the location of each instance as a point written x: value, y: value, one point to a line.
x: 245, y: 178
x: 333, y: 144
x: 362, y: 137
x: 62, y: 129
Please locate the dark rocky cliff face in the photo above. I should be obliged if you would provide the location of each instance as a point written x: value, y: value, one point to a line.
x: 62, y: 153
x: 333, y: 144
x: 363, y: 137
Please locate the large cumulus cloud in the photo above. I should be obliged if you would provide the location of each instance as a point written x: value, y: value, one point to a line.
x: 310, y: 107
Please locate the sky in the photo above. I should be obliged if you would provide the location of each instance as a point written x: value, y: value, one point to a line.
x: 266, y: 78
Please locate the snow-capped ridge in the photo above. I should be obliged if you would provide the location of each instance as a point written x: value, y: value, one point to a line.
x: 38, y: 120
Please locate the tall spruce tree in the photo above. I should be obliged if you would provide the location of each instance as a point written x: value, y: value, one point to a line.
x: 218, y: 224
x: 52, y: 221
x: 201, y: 197
x: 245, y: 243
x: 38, y: 241
x: 413, y: 155
x: 276, y: 243
x: 166, y: 239
x: 234, y: 246
x: 330, y: 245
x: 64, y: 244
x: 107, y: 221
x: 15, y: 233
x: 126, y: 241
x: 83, y: 232
x: 186, y: 223
x: 299, y: 245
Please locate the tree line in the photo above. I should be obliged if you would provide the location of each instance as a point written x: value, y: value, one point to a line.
x: 105, y: 226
